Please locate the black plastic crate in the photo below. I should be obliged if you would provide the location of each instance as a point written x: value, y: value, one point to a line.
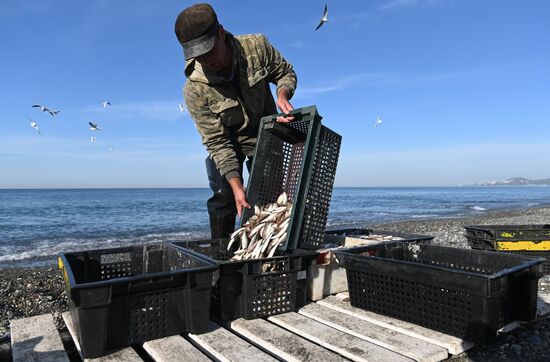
x: 246, y: 289
x: 338, y: 236
x: 509, y: 237
x: 537, y: 254
x: 528, y: 240
x: 466, y: 293
x: 122, y: 296
x: 299, y: 158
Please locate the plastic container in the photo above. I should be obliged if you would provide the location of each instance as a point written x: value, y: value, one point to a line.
x: 527, y: 240
x: 254, y: 288
x: 545, y: 266
x: 123, y: 296
x: 352, y: 237
x: 299, y: 158
x: 466, y: 293
x: 509, y: 237
x: 326, y: 277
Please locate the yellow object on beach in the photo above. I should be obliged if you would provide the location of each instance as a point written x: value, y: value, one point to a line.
x: 62, y: 267
x: 523, y: 245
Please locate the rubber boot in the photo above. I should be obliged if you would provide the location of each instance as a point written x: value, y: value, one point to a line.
x: 222, y: 227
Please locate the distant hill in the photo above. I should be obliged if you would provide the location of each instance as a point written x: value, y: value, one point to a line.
x: 515, y: 181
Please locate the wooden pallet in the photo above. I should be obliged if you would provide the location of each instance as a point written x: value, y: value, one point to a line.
x: 329, y: 330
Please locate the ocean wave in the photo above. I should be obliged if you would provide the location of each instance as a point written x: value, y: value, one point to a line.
x: 477, y: 208
x: 416, y: 216
x: 54, y: 246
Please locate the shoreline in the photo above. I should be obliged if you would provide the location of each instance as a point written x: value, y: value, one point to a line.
x: 33, y: 290
x: 441, y: 227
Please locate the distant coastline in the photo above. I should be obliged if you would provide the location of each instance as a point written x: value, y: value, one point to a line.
x: 516, y: 181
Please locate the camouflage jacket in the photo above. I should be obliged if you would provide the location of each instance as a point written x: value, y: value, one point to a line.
x: 228, y: 120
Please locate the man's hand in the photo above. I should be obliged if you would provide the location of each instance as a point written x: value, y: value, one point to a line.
x: 284, y: 105
x: 239, y: 194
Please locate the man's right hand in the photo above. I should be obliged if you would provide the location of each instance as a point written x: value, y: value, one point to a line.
x: 284, y: 105
x: 239, y: 192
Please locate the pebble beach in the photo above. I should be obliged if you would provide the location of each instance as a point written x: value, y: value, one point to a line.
x: 29, y: 291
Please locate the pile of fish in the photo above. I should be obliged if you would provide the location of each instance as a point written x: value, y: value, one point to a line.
x: 375, y: 237
x: 264, y: 231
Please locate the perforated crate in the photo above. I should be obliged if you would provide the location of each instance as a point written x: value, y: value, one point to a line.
x: 545, y: 266
x: 254, y: 288
x: 122, y: 296
x: 299, y: 158
x: 339, y: 236
x: 509, y: 237
x: 528, y: 240
x: 466, y: 293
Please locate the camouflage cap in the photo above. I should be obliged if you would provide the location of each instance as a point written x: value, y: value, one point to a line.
x: 196, y: 29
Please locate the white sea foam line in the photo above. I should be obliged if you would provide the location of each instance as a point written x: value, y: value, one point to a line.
x: 478, y: 208
x: 53, y: 247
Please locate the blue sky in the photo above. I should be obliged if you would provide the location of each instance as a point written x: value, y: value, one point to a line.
x: 462, y: 87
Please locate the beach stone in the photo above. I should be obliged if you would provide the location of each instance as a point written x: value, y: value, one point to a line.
x: 517, y: 349
x: 535, y: 340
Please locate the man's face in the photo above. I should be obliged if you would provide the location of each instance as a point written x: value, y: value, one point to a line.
x: 219, y: 57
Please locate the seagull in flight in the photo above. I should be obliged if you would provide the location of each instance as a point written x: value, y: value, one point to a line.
x: 46, y: 109
x: 106, y: 103
x: 378, y: 122
x: 92, y: 138
x: 182, y: 108
x: 324, y: 19
x: 35, y: 126
x: 94, y: 126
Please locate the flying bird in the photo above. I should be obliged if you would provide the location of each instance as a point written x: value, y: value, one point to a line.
x: 46, y: 109
x: 92, y: 138
x: 106, y: 103
x: 35, y: 126
x: 94, y: 126
x: 324, y: 19
x: 378, y: 122
x: 182, y: 108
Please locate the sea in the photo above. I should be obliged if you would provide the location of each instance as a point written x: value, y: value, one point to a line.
x: 37, y: 224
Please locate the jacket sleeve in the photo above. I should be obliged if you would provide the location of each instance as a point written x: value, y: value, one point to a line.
x: 214, y: 134
x: 280, y: 72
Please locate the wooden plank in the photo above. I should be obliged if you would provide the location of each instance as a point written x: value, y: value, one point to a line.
x: 126, y: 354
x: 349, y: 346
x: 453, y: 344
x: 414, y: 348
x: 280, y: 342
x: 173, y: 348
x: 342, y: 296
x: 36, y: 339
x: 224, y: 346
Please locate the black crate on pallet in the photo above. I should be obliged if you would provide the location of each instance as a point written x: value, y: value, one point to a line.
x: 338, y: 236
x: 122, y: 296
x: 247, y: 289
x: 466, y: 293
x: 299, y: 158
